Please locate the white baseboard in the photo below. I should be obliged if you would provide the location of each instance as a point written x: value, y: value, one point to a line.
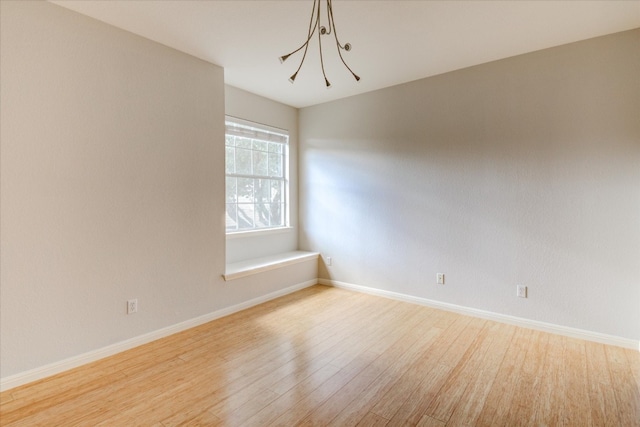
x: 503, y: 318
x: 91, y: 356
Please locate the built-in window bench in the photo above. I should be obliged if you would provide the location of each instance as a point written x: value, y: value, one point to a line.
x: 240, y: 269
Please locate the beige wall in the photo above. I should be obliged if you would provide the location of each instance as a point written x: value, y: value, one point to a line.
x: 110, y: 171
x: 521, y: 171
x: 112, y: 187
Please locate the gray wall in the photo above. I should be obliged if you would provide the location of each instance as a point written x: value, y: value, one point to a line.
x: 521, y: 171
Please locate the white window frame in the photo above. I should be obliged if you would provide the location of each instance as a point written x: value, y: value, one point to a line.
x: 256, y: 131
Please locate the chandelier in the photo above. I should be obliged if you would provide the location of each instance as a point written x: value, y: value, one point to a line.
x: 329, y: 29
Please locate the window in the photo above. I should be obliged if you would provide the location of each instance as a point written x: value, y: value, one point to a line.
x: 256, y: 176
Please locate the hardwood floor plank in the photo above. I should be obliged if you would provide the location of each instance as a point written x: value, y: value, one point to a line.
x: 452, y: 391
x: 577, y: 405
x: 391, y: 347
x: 604, y: 408
x: 365, y: 401
x: 415, y: 404
x: 550, y: 395
x: 295, y: 397
x: 374, y: 343
x: 633, y: 358
x: 479, y: 385
x: 427, y: 367
x: 624, y: 386
x: 427, y: 421
x: 523, y: 408
x: 495, y: 410
x: 203, y: 419
x: 6, y: 397
x: 316, y: 397
x: 373, y: 420
x: 393, y: 350
x: 234, y: 413
x: 439, y: 397
x: 66, y: 405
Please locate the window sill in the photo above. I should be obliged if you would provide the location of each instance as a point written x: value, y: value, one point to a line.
x: 253, y: 233
x: 259, y: 265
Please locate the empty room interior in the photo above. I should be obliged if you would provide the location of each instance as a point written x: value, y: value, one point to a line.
x: 426, y: 213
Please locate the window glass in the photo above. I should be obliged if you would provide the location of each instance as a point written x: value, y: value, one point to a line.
x: 256, y: 179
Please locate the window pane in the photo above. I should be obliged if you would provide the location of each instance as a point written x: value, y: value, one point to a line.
x: 262, y: 189
x: 245, y: 216
x: 243, y: 142
x: 262, y: 215
x: 230, y: 163
x: 245, y: 190
x: 232, y: 186
x: 260, y: 160
x: 243, y: 161
x: 260, y: 145
x: 274, y: 147
x: 229, y: 140
x: 277, y: 214
x: 277, y: 192
x: 275, y: 165
x: 231, y: 218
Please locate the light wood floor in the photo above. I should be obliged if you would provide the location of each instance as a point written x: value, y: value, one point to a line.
x: 325, y: 356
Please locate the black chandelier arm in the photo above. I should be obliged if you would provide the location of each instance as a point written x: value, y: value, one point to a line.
x: 326, y: 81
x: 347, y: 46
x: 310, y: 32
x: 329, y: 18
x: 355, y: 76
x: 332, y: 24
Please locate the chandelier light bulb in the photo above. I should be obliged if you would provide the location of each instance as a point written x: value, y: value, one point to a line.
x: 284, y: 58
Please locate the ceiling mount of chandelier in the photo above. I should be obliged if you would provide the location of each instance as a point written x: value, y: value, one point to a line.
x: 330, y: 29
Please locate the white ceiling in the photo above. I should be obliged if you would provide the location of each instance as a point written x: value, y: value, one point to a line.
x: 393, y: 41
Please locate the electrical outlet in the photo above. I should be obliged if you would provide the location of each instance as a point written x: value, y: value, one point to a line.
x: 328, y: 259
x: 440, y: 278
x: 522, y: 291
x: 132, y: 306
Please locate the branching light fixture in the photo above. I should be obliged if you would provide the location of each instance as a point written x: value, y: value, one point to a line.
x: 314, y: 25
